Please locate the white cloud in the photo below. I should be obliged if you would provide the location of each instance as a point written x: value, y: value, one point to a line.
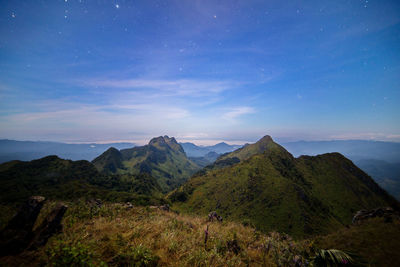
x: 234, y: 113
x: 367, y: 136
x: 181, y: 87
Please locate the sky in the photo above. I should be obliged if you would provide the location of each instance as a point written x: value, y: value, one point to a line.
x: 201, y: 71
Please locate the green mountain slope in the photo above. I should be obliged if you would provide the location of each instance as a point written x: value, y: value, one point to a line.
x: 56, y: 178
x: 271, y: 189
x: 163, y: 158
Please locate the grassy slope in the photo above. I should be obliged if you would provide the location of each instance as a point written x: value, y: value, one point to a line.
x: 274, y: 191
x: 376, y: 242
x: 115, y: 236
x: 56, y: 178
x: 255, y: 191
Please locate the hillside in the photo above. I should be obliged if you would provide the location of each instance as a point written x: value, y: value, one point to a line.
x: 384, y: 173
x: 380, y: 160
x: 163, y: 158
x: 56, y: 178
x: 117, y: 235
x: 207, y: 159
x: 266, y: 186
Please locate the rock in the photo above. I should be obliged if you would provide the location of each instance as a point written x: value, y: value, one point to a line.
x: 50, y: 226
x: 388, y: 213
x: 164, y: 207
x: 17, y: 234
x: 233, y: 246
x: 128, y: 205
x: 95, y: 202
x: 213, y: 215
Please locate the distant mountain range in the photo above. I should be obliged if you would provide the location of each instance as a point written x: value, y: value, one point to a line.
x: 262, y: 184
x: 381, y: 160
x: 30, y: 150
x: 193, y: 150
x: 353, y: 149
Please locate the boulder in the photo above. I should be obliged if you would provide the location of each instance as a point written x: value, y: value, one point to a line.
x: 213, y: 215
x: 17, y: 234
x: 51, y: 225
x: 388, y: 213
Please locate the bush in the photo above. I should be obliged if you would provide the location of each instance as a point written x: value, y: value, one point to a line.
x: 66, y: 254
x: 138, y: 257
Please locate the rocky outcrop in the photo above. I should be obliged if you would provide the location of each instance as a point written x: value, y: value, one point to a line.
x: 18, y: 235
x: 51, y: 225
x: 214, y: 216
x: 388, y: 213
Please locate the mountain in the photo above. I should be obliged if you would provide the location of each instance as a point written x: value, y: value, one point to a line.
x: 30, y: 150
x: 207, y: 159
x: 163, y: 158
x: 384, y: 173
x: 193, y: 150
x: 223, y: 147
x: 381, y: 160
x: 264, y: 185
x: 352, y: 149
x: 56, y: 178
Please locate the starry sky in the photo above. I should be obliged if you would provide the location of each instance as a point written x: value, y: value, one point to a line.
x: 202, y: 71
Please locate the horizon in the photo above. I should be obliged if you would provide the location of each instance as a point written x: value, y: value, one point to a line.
x: 91, y: 71
x: 200, y: 143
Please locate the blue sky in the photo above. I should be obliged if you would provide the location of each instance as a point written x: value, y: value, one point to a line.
x: 202, y: 71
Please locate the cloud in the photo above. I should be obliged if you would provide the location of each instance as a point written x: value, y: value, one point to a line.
x: 233, y: 114
x: 180, y: 87
x: 367, y: 136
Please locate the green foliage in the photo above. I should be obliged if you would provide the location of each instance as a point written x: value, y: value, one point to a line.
x: 139, y: 256
x: 332, y: 257
x: 55, y: 178
x: 68, y: 254
x: 375, y: 242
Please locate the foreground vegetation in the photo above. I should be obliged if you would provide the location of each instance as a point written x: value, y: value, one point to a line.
x: 117, y: 235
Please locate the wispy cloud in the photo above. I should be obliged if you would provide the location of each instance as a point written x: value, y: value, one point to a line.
x: 367, y: 136
x: 236, y: 112
x: 181, y: 87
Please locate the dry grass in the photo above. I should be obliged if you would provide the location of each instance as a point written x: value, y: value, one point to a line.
x: 114, y: 235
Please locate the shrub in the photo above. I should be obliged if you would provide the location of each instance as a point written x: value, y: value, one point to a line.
x: 139, y: 256
x: 66, y: 254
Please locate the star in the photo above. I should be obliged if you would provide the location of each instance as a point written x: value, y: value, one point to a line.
x: 215, y: 16
x: 116, y: 6
x: 13, y: 15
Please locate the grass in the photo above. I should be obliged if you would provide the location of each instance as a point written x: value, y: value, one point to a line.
x: 376, y: 242
x: 303, y: 196
x: 114, y: 235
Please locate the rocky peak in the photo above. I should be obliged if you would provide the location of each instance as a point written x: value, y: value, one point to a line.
x: 166, y: 141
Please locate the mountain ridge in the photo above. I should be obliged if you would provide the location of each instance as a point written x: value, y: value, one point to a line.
x: 163, y: 158
x: 275, y: 191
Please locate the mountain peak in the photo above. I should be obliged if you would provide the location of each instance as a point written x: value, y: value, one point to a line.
x: 265, y: 139
x: 163, y: 140
x: 263, y: 145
